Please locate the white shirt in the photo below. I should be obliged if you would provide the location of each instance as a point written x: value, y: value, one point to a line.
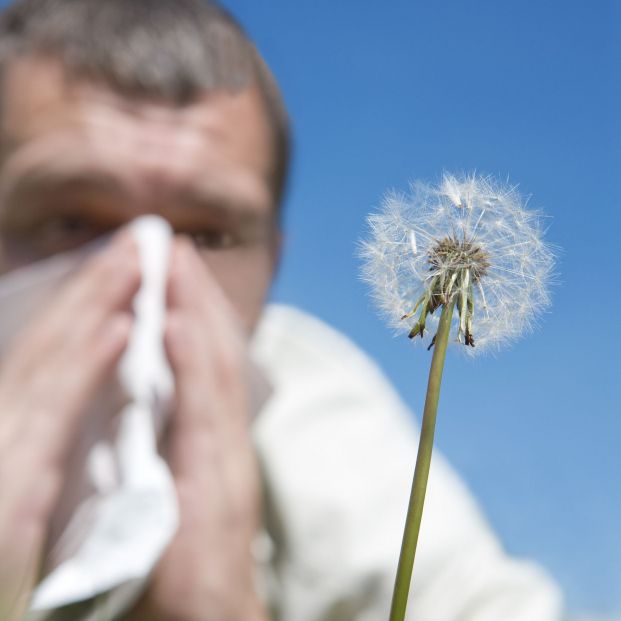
x: 338, y: 448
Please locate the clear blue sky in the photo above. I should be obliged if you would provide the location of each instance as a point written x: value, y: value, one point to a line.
x: 382, y: 93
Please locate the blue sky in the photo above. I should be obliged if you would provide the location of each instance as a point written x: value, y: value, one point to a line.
x: 383, y: 93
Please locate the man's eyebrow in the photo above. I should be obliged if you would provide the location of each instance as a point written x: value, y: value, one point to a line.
x: 227, y: 206
x: 39, y: 180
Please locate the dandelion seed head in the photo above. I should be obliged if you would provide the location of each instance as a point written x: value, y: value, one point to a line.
x: 471, y: 239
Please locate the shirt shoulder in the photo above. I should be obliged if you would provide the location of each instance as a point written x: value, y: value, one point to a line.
x: 295, y: 348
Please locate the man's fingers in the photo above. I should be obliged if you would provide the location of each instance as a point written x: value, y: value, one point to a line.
x: 56, y: 366
x: 105, y: 285
x: 210, y: 386
x: 90, y: 361
x: 209, y: 381
x: 207, y: 350
x: 45, y: 408
x: 191, y: 286
x: 214, y: 344
x: 203, y: 321
x: 183, y: 270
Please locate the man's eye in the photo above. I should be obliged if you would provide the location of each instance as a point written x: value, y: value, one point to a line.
x: 68, y: 225
x: 213, y: 239
x: 64, y: 232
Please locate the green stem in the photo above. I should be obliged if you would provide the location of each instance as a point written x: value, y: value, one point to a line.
x: 421, y: 472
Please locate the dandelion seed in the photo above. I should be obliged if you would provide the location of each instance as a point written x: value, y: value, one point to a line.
x: 413, y: 244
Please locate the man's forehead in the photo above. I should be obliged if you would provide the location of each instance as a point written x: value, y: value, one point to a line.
x: 41, y: 104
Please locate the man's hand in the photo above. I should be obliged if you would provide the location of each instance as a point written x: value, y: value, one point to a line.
x: 46, y: 380
x: 207, y: 572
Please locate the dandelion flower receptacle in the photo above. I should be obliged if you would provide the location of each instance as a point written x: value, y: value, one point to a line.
x: 460, y: 262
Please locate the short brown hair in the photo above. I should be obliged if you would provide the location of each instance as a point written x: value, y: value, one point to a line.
x: 169, y: 50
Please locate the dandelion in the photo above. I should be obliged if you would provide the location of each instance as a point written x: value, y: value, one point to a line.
x: 462, y: 262
x: 468, y: 240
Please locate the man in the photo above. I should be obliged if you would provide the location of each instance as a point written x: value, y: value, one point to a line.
x: 115, y: 109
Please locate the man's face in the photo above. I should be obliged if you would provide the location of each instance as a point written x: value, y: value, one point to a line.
x: 79, y: 161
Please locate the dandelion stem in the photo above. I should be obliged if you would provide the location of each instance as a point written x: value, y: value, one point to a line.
x: 421, y: 472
